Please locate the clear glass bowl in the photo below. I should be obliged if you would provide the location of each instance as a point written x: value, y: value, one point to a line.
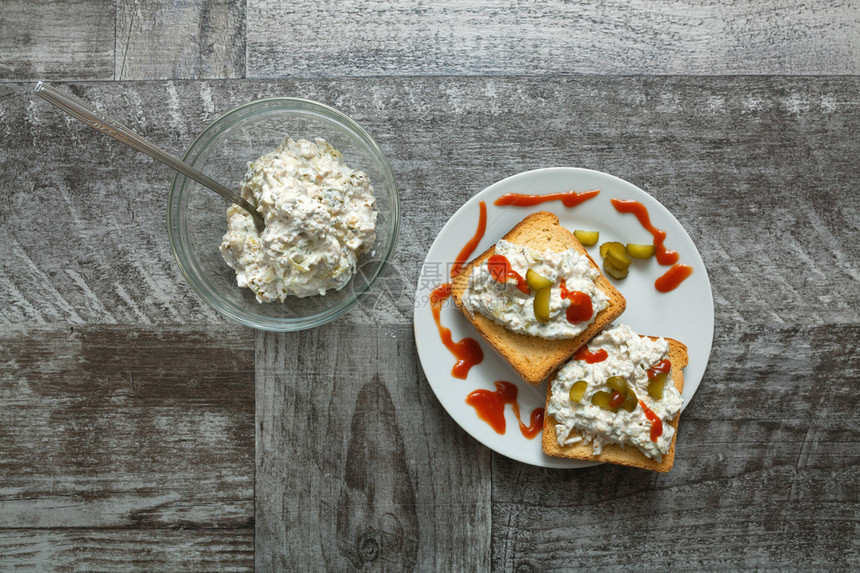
x: 196, y: 216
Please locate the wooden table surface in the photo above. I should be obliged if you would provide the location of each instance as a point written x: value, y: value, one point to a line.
x: 139, y: 430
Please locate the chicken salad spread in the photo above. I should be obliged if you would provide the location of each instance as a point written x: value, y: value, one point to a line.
x: 543, y: 303
x: 320, y: 215
x: 626, y: 398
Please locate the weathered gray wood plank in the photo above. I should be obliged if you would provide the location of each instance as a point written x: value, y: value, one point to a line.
x: 358, y: 466
x: 143, y: 549
x: 358, y: 38
x: 127, y: 447
x: 56, y: 39
x: 126, y: 427
x: 165, y: 39
x: 95, y: 250
x: 765, y: 474
x: 158, y: 39
x: 742, y: 162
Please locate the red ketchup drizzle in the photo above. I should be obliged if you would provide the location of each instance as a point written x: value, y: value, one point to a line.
x: 469, y: 247
x: 490, y: 407
x: 590, y: 357
x: 673, y: 277
x: 661, y: 367
x: 536, y: 422
x: 656, y: 422
x: 500, y: 269
x: 616, y: 399
x: 568, y: 198
x: 580, y: 308
x: 664, y: 256
x: 468, y: 352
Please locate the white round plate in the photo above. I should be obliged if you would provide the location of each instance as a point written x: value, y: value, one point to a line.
x: 686, y: 314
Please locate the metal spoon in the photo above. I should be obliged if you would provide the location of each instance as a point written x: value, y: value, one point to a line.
x: 98, y: 120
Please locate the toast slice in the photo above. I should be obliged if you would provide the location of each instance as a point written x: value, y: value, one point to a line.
x: 535, y: 358
x: 612, y: 453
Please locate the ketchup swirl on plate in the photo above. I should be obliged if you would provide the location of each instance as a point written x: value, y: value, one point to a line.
x: 673, y: 277
x: 467, y: 351
x: 664, y: 255
x: 567, y: 198
x: 490, y: 407
x: 469, y: 247
x: 678, y: 273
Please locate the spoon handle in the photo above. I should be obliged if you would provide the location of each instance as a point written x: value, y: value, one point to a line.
x: 98, y: 120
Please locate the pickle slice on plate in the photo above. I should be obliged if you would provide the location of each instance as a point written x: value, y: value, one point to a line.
x: 615, y: 245
x: 541, y: 304
x: 618, y: 257
x: 536, y: 281
x: 587, y: 238
x: 612, y: 271
x: 640, y: 251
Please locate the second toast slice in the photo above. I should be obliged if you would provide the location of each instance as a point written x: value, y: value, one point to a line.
x: 611, y: 452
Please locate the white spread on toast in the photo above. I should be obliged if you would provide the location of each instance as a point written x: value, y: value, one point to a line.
x: 320, y: 216
x: 506, y: 305
x: 629, y: 355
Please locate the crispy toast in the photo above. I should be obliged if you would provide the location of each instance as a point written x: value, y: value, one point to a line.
x: 612, y: 453
x: 535, y: 358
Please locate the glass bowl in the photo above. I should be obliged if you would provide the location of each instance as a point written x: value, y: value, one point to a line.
x: 196, y: 216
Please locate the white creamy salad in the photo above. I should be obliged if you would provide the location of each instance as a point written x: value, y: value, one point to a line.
x: 320, y: 216
x: 514, y: 309
x: 629, y: 356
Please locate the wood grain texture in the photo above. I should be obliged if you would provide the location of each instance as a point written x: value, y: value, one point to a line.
x: 358, y: 466
x: 180, y: 549
x: 102, y: 256
x: 741, y: 162
x: 171, y: 39
x: 764, y: 477
x: 167, y: 39
x: 378, y: 38
x: 56, y: 39
x: 123, y: 428
x: 125, y: 413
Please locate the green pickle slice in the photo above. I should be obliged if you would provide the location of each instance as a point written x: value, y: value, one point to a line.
x: 587, y: 238
x: 617, y: 383
x: 630, y: 402
x: 615, y: 259
x: 601, y: 399
x: 577, y: 391
x: 541, y: 304
x: 618, y: 257
x: 614, y: 272
x: 656, y: 385
x: 640, y: 251
x: 536, y: 281
x: 604, y: 248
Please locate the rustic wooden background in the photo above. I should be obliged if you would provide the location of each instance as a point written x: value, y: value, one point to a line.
x: 140, y: 431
